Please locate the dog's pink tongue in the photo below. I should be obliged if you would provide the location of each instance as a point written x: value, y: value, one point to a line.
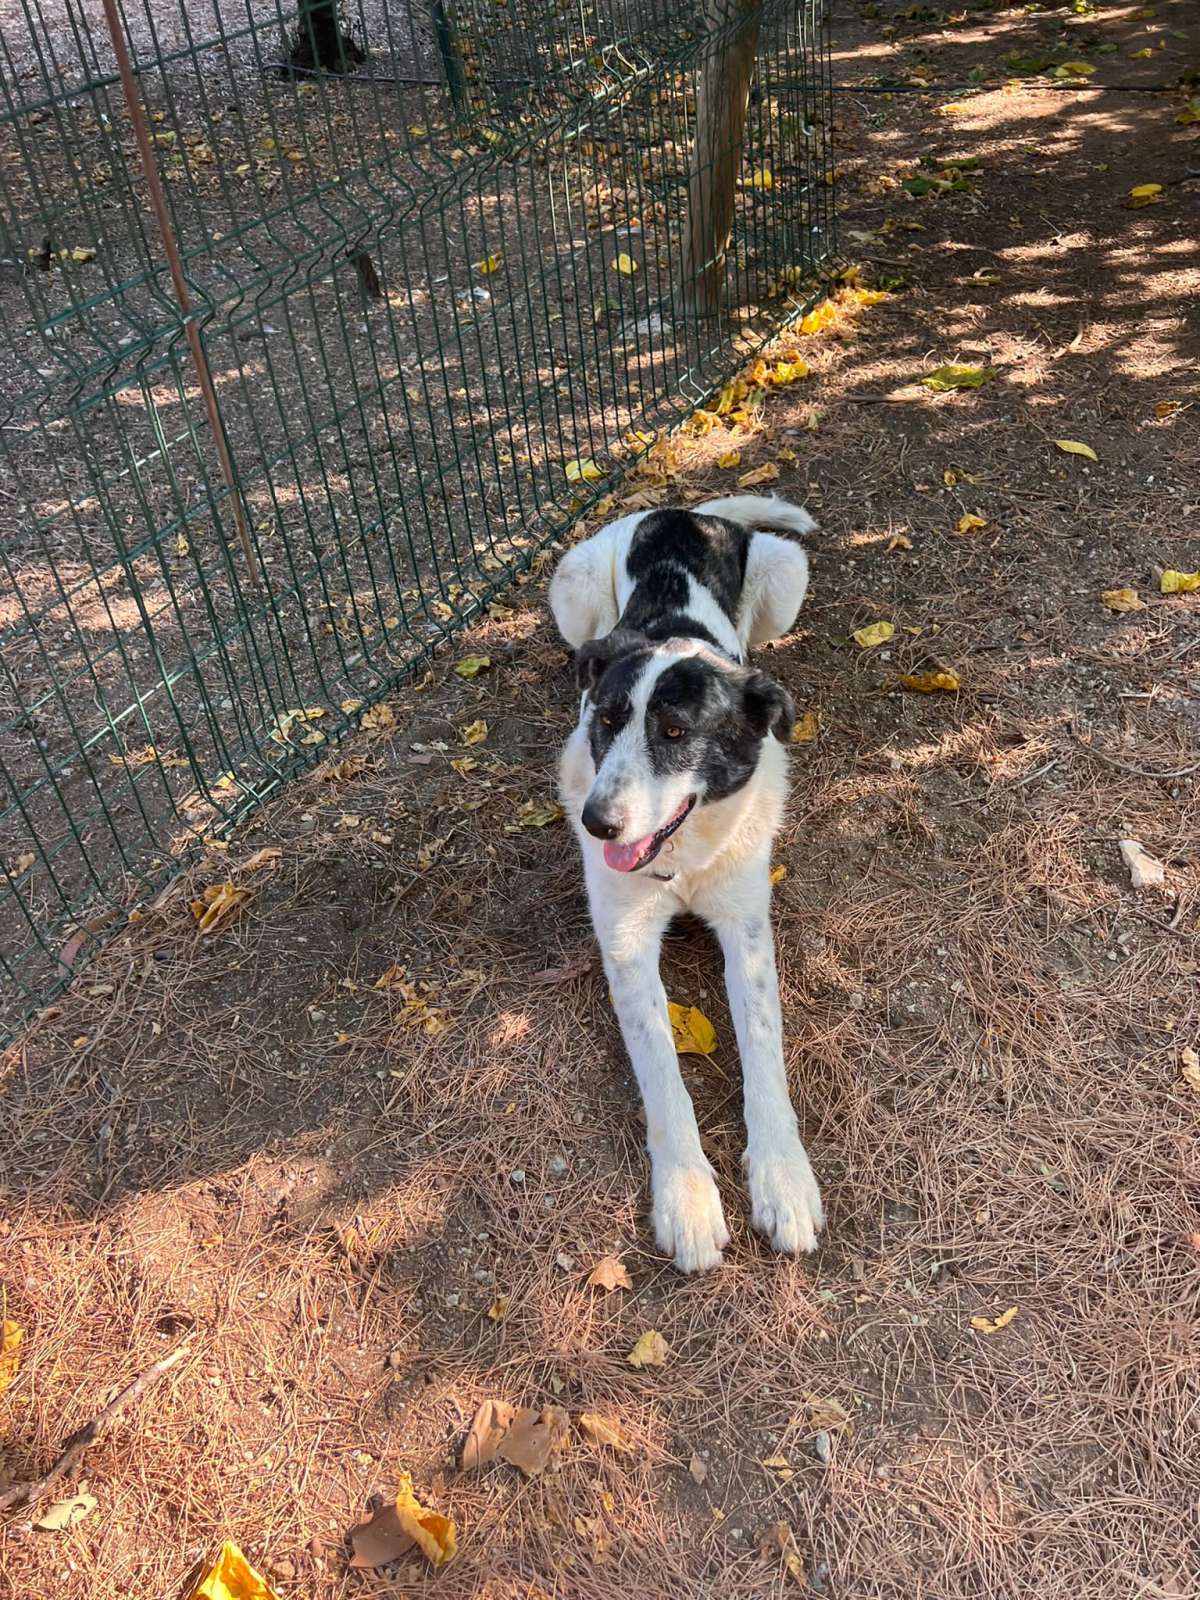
x: 624, y: 857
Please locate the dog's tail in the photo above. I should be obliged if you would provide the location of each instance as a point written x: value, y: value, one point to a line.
x: 761, y: 511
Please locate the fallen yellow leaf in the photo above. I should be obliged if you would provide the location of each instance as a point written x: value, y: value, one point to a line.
x: 785, y: 372
x: 434, y: 1535
x: 764, y: 474
x: 1190, y: 113
x: 819, y: 317
x: 1072, y: 447
x: 472, y: 666
x: 625, y: 264
x: 994, y: 1325
x: 782, y: 1541
x: 11, y: 1334
x: 693, y: 1033
x: 378, y: 718
x: 231, y: 1577
x: 969, y: 522
x: 1123, y: 600
x: 762, y: 179
x: 216, y: 903
x: 651, y: 1350
x: 65, y: 1514
x: 898, y: 541
x: 930, y: 682
x: 464, y: 764
x: 953, y: 376
x: 498, y: 1309
x: 1166, y: 408
x: 874, y: 633
x: 539, y: 813
x: 601, y: 1431
x: 871, y: 297
x: 1173, y: 582
x: 1074, y: 69
x: 777, y: 874
x: 730, y: 458
x: 584, y: 470
x: 1144, y: 194
x: 806, y: 728
x: 955, y: 110
x: 474, y: 732
x: 489, y: 264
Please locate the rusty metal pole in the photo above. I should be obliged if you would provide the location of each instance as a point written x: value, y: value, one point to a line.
x: 158, y: 204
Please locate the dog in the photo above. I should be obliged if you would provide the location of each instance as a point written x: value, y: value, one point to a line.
x: 674, y: 782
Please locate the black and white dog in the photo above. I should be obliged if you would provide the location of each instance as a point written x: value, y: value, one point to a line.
x: 675, y: 781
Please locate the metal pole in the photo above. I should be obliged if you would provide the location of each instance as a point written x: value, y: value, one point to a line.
x: 158, y: 204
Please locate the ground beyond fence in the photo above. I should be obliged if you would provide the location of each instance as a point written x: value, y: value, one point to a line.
x: 438, y: 302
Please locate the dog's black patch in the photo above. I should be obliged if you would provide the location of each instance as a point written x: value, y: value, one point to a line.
x: 668, y: 548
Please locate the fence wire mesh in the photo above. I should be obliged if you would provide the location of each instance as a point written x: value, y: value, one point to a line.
x: 442, y: 264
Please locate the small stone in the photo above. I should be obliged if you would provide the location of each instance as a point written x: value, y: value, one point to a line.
x: 395, y: 1360
x: 564, y: 1262
x: 821, y: 1448
x: 517, y: 1175
x: 556, y: 1166
x: 857, y: 1001
x: 452, y: 1299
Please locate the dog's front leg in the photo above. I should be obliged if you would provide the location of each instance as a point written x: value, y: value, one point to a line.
x: 785, y: 1200
x: 689, y: 1224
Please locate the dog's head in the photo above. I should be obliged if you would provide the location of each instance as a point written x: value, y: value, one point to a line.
x: 672, y: 726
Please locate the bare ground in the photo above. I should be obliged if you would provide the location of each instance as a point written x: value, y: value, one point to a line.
x: 987, y: 1027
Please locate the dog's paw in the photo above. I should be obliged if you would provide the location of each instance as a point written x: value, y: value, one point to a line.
x: 784, y: 1198
x: 689, y: 1224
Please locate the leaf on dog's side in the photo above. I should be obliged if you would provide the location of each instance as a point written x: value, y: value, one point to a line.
x: 1173, y: 582
x: 693, y: 1033
x: 806, y: 728
x: 994, y: 1324
x: 874, y: 633
x: 601, y: 1431
x: 930, y: 682
x: 468, y: 667
x: 231, y: 1577
x: 609, y: 1274
x: 1123, y: 600
x: 651, y: 1350
x: 11, y: 1335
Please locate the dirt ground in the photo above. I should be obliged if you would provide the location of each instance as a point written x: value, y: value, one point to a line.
x: 324, y: 1172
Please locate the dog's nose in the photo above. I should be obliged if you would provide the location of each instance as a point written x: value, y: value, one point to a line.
x: 599, y: 823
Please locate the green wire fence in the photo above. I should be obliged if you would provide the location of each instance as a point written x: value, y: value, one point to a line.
x: 309, y: 316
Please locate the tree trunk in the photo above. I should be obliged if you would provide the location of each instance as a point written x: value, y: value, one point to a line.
x: 319, y: 44
x: 721, y: 100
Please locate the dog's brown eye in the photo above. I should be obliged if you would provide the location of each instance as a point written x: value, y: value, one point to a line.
x: 673, y: 732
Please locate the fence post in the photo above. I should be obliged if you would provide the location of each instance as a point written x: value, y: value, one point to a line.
x: 721, y: 100
x: 162, y: 217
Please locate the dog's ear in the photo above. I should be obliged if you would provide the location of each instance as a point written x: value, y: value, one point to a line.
x: 768, y: 707
x: 595, y: 656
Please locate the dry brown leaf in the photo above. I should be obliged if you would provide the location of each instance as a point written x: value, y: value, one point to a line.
x: 492, y: 1421
x: 601, y: 1431
x: 781, y: 1541
x: 532, y: 1437
x: 1123, y: 600
x: 341, y: 771
x: 498, y: 1309
x: 578, y: 968
x: 970, y: 523
x: 930, y: 682
x: 261, y: 858
x: 378, y: 718
x: 764, y: 474
x: 898, y: 541
x: 1145, y: 872
x: 1189, y: 1065
x: 380, y: 1540
x: 610, y: 1273
x: 395, y: 1529
x: 994, y: 1324
x: 216, y: 903
x: 474, y: 732
x: 64, y: 1514
x: 697, y: 1470
x: 823, y: 1414
x: 651, y: 1350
